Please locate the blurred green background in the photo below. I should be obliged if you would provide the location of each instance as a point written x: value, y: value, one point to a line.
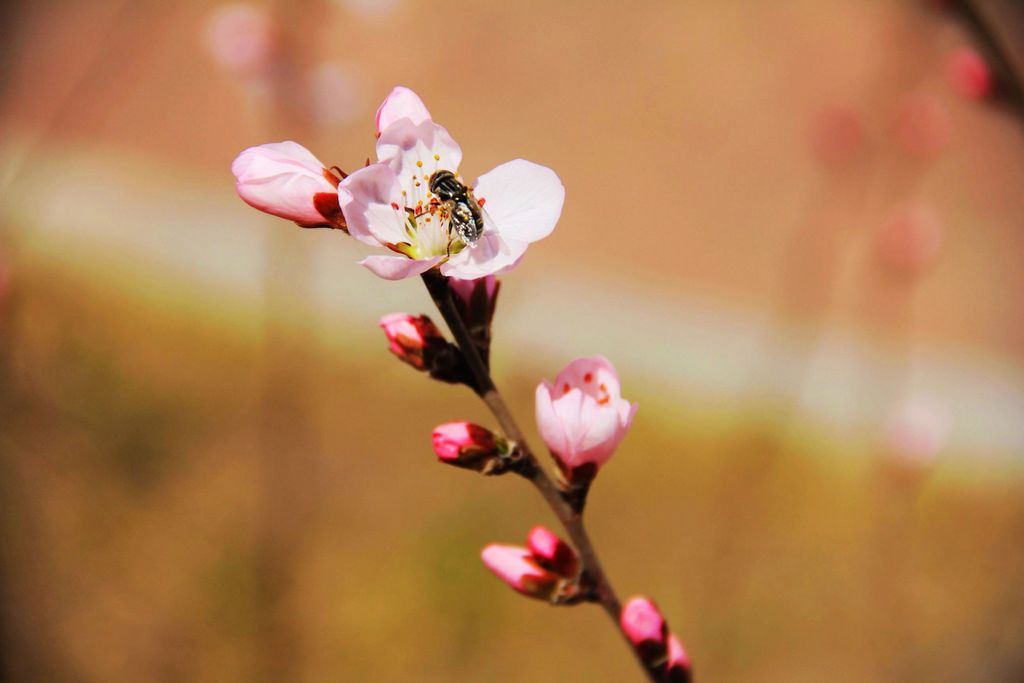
x: 800, y: 247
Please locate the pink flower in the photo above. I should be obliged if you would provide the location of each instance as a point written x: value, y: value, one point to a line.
x: 389, y: 204
x: 412, y: 338
x: 465, y: 444
x: 552, y: 553
x: 970, y: 75
x: 642, y: 622
x: 284, y: 179
x: 518, y: 568
x: 582, y: 417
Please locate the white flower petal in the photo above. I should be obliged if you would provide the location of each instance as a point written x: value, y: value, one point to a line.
x: 492, y: 254
x: 397, y: 267
x: 522, y: 199
x: 371, y: 200
x: 415, y: 151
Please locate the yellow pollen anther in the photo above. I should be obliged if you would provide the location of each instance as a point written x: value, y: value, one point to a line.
x: 426, y: 177
x: 417, y: 183
x: 419, y: 164
x: 437, y: 157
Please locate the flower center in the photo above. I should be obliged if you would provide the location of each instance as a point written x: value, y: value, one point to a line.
x: 429, y: 219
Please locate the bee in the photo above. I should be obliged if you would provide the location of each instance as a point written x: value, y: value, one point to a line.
x: 466, y: 214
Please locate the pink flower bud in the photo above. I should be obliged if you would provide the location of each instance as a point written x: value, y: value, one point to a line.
x: 553, y: 553
x: 284, y: 179
x: 465, y: 444
x: 517, y: 567
x: 476, y: 301
x: 678, y: 667
x: 969, y: 75
x: 582, y: 417
x: 412, y: 338
x: 642, y: 622
x: 465, y: 290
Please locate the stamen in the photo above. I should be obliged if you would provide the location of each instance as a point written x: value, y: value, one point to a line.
x: 419, y: 164
x: 437, y: 157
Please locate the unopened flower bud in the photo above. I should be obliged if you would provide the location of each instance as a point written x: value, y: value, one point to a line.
x: 553, y: 553
x: 476, y: 299
x: 465, y: 444
x: 678, y: 668
x: 284, y: 179
x: 517, y: 567
x: 414, y: 339
x: 645, y: 627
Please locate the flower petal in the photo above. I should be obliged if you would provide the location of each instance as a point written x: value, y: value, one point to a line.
x: 398, y: 267
x: 401, y: 103
x: 281, y: 178
x: 522, y: 199
x: 548, y: 423
x: 492, y: 254
x: 415, y: 151
x: 371, y: 200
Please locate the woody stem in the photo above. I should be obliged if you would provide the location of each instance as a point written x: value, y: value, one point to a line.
x: 572, y: 522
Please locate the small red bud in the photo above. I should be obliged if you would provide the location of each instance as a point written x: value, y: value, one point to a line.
x: 412, y: 338
x: 553, y: 553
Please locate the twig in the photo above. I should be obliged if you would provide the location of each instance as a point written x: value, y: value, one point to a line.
x: 437, y: 286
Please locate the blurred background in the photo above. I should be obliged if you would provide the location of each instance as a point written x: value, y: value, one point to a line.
x: 795, y: 227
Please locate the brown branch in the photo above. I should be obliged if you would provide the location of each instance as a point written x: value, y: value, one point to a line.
x: 437, y: 286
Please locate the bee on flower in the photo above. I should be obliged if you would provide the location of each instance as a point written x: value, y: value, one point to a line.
x: 413, y: 202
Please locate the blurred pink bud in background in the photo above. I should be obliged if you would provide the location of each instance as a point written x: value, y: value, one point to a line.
x: 241, y: 38
x: 910, y: 239
x: 553, y: 553
x: 517, y: 567
x: 969, y: 74
x: 642, y: 622
x: 463, y: 443
x: 411, y: 338
x: 582, y: 417
x: 284, y: 179
x: 922, y: 125
x: 915, y: 434
x: 837, y: 135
